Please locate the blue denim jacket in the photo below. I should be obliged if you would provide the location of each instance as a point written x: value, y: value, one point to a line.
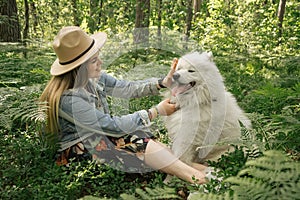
x: 93, y: 112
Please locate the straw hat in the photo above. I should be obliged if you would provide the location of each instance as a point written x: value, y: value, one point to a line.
x: 73, y: 47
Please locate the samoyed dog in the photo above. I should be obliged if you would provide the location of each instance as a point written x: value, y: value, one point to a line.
x: 208, y: 119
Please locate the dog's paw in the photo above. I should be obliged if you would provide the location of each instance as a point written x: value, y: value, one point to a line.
x: 211, y: 174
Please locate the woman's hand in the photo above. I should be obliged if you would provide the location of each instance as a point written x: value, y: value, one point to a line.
x: 166, y: 108
x: 167, y: 81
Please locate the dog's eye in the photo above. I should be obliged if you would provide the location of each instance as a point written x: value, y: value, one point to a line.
x: 191, y: 70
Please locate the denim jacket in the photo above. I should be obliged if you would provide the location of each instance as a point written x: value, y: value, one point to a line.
x: 87, y: 109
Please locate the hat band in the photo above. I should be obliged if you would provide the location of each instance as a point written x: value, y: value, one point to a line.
x: 79, y: 56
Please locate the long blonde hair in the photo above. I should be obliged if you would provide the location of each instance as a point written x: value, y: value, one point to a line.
x: 53, y: 91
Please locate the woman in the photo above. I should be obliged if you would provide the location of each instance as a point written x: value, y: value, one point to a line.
x: 78, y: 110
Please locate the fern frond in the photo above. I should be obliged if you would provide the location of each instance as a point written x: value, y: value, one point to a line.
x: 211, y: 196
x: 273, y: 160
x: 243, y: 186
x: 127, y: 197
x: 5, y: 121
x: 89, y: 197
x: 31, y: 112
x: 272, y: 176
x: 142, y: 194
x: 149, y: 194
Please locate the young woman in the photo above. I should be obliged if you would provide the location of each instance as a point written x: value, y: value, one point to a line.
x: 79, y: 114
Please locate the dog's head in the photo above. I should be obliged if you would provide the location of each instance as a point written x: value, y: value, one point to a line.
x: 190, y: 71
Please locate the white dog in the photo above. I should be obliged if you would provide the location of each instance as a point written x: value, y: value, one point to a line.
x: 209, y: 118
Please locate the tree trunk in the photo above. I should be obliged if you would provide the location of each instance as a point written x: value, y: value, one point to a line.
x: 189, y: 18
x: 92, y: 24
x: 158, y: 7
x: 280, y: 14
x: 9, y: 26
x: 56, y: 9
x: 196, y: 7
x: 100, y: 13
x: 34, y: 15
x: 142, y: 21
x: 26, y: 28
x: 142, y: 13
x: 75, y: 13
x: 207, y: 10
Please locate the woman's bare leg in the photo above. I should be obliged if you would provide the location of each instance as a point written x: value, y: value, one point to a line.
x: 159, y: 157
x: 199, y: 166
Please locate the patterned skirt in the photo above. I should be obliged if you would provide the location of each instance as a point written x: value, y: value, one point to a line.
x: 125, y: 153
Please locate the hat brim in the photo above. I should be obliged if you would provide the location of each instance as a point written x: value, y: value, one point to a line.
x: 58, y: 69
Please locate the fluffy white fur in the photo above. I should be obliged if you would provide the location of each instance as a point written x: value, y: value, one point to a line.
x: 208, y: 118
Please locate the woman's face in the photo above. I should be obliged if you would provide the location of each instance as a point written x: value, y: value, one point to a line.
x: 94, y: 66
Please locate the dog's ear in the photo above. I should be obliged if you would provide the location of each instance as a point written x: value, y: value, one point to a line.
x: 210, y: 55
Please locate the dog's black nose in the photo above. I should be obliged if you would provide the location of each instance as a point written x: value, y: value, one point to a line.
x: 176, y: 76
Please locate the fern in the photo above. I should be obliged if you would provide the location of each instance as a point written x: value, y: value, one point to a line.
x: 22, y: 108
x: 89, y: 197
x: 31, y: 111
x: 6, y: 100
x: 210, y: 196
x: 148, y: 194
x: 272, y: 176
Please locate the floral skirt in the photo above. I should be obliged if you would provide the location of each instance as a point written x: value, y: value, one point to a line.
x: 124, y: 153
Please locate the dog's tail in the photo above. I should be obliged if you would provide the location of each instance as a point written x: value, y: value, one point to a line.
x: 246, y: 128
x: 245, y: 122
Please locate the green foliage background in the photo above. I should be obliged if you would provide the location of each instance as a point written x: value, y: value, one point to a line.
x: 259, y: 67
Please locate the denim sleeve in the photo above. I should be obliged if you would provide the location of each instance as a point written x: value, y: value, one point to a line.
x: 129, y: 89
x: 86, y: 113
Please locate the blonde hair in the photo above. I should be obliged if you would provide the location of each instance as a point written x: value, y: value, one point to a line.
x: 53, y: 91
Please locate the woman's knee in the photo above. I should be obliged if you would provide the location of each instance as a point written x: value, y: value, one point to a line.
x: 158, y: 156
